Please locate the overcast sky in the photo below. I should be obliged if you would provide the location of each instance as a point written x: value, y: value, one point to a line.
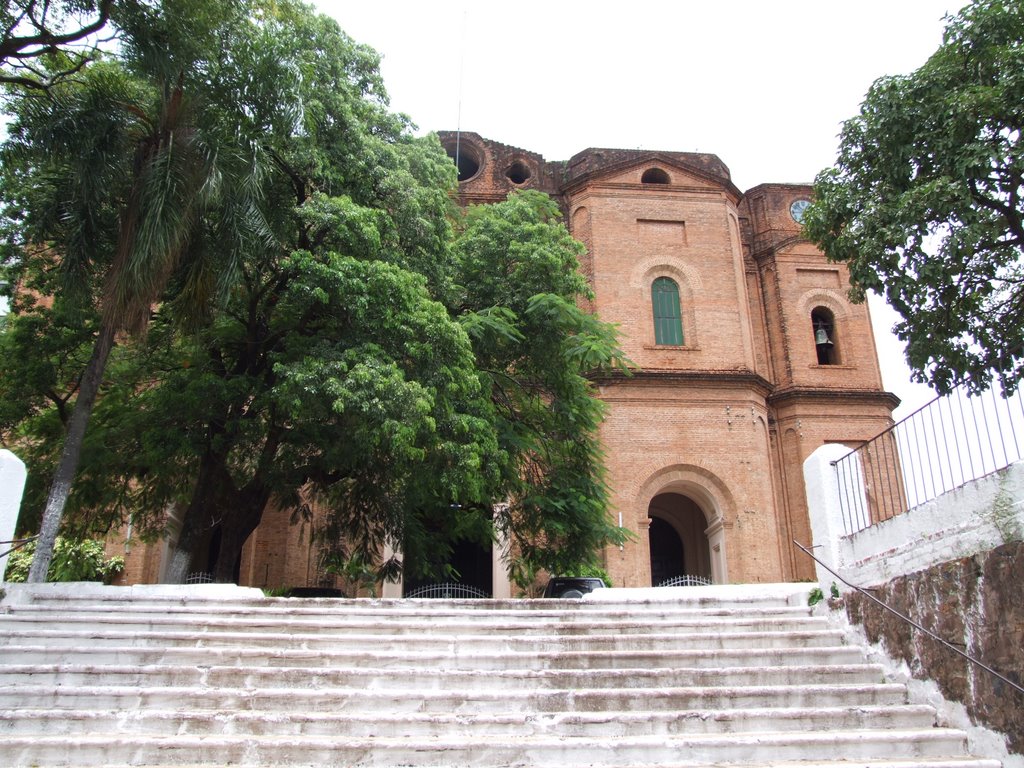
x: 762, y: 84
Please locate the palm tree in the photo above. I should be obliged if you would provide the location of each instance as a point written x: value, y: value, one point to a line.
x: 117, y: 175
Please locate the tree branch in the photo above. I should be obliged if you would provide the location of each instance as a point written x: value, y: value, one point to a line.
x: 1007, y: 211
x: 17, y: 49
x: 47, y: 40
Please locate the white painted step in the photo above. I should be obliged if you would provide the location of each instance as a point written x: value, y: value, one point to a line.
x: 415, y: 679
x: 727, y: 596
x: 415, y: 624
x: 485, y: 643
x: 486, y: 701
x: 696, y: 677
x: 455, y: 658
x: 455, y: 751
x: 602, y: 724
x: 819, y: 762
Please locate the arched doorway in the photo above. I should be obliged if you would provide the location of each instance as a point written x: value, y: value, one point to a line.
x: 678, y: 542
x: 470, y: 564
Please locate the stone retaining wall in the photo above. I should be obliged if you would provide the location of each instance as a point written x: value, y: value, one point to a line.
x: 973, y: 602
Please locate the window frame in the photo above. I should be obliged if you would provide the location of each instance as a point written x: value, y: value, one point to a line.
x: 822, y: 316
x: 666, y: 312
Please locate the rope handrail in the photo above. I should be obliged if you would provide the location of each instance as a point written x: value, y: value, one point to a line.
x: 911, y: 622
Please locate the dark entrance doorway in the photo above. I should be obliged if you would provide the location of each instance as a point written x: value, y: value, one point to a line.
x: 667, y: 557
x: 470, y: 565
x: 678, y: 544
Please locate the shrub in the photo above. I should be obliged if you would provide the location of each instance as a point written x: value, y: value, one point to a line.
x: 72, y: 561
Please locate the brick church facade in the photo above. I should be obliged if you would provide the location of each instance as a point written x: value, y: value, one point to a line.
x: 748, y: 356
x: 719, y: 302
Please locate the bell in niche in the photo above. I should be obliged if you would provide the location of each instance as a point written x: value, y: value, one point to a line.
x: 821, y: 338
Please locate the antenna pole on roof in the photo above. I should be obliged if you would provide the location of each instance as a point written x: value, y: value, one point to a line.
x: 458, y: 116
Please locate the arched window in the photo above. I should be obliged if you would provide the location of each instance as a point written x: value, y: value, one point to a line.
x: 668, y: 324
x: 655, y: 176
x: 823, y: 325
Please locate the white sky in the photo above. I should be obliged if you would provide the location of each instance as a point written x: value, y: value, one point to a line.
x: 762, y: 84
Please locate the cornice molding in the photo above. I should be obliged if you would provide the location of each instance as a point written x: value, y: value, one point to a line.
x: 734, y: 379
x: 866, y: 396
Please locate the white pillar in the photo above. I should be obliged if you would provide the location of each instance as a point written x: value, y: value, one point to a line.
x: 391, y: 588
x: 824, y: 509
x: 501, y: 585
x: 716, y: 545
x: 12, y: 486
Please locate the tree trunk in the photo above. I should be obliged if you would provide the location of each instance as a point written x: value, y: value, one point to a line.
x: 213, y: 481
x: 235, y: 531
x: 64, y: 475
x: 218, y: 501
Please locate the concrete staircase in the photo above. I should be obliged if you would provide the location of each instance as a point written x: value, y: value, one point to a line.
x: 215, y: 676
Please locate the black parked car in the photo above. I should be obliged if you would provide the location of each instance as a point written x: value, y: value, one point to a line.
x: 572, y: 586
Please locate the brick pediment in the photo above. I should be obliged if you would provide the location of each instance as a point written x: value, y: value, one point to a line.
x: 649, y: 170
x: 669, y: 176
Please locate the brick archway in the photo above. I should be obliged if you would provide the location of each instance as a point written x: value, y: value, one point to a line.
x: 708, y: 493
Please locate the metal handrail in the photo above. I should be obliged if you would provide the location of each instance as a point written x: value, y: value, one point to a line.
x: 18, y: 544
x: 911, y: 622
x: 943, y: 445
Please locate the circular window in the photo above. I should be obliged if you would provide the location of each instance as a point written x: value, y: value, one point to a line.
x: 518, y: 172
x: 466, y: 158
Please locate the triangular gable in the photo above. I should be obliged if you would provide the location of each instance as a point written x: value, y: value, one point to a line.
x: 658, y: 167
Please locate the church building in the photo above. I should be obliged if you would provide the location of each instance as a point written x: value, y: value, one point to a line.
x: 748, y: 353
x: 748, y: 356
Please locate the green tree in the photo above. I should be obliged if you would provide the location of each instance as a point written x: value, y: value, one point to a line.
x: 46, y: 42
x: 926, y: 201
x: 326, y: 304
x: 352, y: 390
x: 111, y: 174
x: 72, y: 561
x: 352, y: 352
x: 517, y: 268
x: 365, y: 399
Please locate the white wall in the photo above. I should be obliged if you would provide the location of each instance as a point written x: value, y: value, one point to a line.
x: 974, y: 518
x: 12, y: 485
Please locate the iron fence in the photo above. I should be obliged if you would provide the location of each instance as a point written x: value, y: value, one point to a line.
x: 943, y: 445
x: 686, y: 581
x: 449, y: 591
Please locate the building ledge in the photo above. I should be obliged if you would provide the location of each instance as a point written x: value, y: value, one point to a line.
x: 873, y: 396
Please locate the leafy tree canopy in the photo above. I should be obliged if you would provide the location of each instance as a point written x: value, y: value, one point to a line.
x: 926, y: 201
x: 322, y: 337
x: 113, y: 173
x: 517, y: 268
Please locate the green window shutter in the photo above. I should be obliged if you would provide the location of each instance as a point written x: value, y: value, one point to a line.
x: 668, y: 325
